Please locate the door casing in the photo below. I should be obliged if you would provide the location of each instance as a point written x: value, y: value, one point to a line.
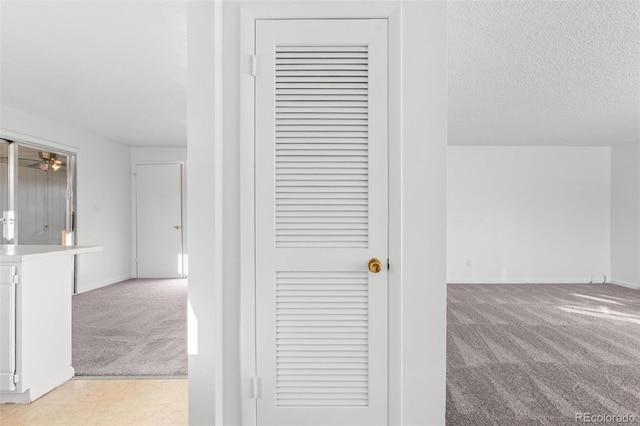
x: 248, y: 16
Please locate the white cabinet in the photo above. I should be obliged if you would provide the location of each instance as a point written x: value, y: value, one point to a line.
x: 35, y: 315
x: 8, y: 281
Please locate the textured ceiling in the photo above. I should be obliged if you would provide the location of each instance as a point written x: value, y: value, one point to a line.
x: 117, y: 69
x: 544, y: 72
x: 520, y: 72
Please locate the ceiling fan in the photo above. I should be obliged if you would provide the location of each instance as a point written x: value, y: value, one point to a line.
x: 49, y: 159
x: 46, y: 160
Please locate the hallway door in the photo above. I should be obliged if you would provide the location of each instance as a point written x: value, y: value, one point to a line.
x: 159, y: 234
x: 321, y: 216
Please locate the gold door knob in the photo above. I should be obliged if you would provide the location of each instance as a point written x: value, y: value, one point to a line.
x: 176, y: 226
x: 375, y: 265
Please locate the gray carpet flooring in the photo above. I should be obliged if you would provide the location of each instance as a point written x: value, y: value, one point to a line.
x: 539, y: 354
x: 516, y: 354
x: 132, y: 328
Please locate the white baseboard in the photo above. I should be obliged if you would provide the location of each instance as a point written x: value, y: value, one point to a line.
x: 613, y: 281
x: 625, y: 284
x: 15, y: 398
x: 51, y: 382
x: 575, y: 281
x: 42, y: 386
x: 93, y: 286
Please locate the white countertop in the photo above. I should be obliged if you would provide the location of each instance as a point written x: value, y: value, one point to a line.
x: 15, y: 253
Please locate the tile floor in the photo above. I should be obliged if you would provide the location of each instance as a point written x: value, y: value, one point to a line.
x: 105, y: 402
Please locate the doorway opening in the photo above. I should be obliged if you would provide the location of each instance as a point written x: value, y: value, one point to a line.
x: 137, y: 328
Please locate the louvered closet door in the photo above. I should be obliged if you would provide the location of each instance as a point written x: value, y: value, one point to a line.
x: 321, y: 214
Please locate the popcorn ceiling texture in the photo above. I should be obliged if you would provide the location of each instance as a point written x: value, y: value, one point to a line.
x: 544, y: 72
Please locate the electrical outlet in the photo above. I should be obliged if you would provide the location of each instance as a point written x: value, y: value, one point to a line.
x: 468, y: 263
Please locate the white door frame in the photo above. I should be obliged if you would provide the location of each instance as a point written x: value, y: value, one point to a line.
x: 248, y: 16
x: 134, y: 212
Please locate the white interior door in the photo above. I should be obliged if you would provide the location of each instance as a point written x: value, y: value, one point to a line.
x: 321, y: 215
x: 159, y: 220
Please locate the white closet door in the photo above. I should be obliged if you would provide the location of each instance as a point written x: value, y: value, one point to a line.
x: 321, y: 215
x: 159, y: 249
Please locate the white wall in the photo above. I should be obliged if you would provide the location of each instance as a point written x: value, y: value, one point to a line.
x: 204, y: 125
x: 148, y: 155
x: 214, y: 211
x: 423, y: 202
x: 625, y: 214
x: 528, y: 214
x: 103, y: 198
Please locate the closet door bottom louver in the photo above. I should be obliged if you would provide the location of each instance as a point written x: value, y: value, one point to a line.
x: 321, y: 214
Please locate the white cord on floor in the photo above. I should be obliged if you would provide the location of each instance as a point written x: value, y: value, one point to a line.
x: 604, y: 278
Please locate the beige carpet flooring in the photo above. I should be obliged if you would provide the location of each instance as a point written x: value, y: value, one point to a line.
x: 542, y: 354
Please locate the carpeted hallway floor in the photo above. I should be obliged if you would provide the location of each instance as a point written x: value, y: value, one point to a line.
x: 541, y: 353
x: 132, y: 328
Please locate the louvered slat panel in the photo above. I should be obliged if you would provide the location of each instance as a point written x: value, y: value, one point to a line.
x: 322, y: 357
x: 292, y: 117
x: 338, y: 85
x: 323, y: 49
x: 321, y: 111
x: 321, y: 105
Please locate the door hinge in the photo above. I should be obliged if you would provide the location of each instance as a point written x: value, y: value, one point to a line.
x: 16, y: 378
x: 15, y: 279
x: 388, y: 264
x: 254, y: 66
x: 255, y: 387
